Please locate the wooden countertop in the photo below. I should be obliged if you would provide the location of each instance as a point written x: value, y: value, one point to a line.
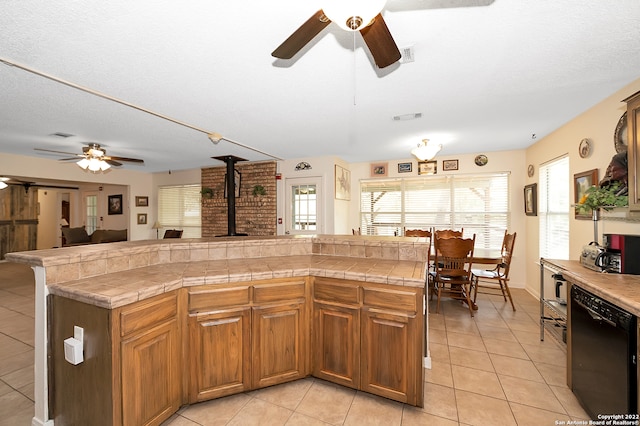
x: 622, y: 290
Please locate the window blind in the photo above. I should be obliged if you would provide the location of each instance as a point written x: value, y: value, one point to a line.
x: 477, y: 203
x: 554, y: 209
x: 179, y: 208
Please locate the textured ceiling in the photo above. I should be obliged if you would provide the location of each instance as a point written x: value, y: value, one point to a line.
x: 484, y: 78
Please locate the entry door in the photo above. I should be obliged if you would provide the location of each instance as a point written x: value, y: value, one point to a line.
x: 90, y: 211
x: 304, y: 206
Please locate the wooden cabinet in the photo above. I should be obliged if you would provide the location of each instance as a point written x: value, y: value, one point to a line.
x: 150, y: 360
x: 633, y: 149
x: 247, y: 336
x: 336, y: 318
x: 131, y: 369
x: 219, y: 341
x: 369, y: 337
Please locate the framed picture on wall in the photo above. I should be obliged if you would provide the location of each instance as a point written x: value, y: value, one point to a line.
x: 449, y: 165
x: 115, y: 204
x: 582, y: 182
x: 142, y: 218
x: 343, y: 183
x: 379, y: 169
x: 142, y: 201
x: 405, y: 167
x: 531, y: 199
x: 427, y: 167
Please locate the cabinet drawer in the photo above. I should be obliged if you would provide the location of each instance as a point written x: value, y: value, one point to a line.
x: 147, y: 313
x: 216, y: 298
x: 267, y: 293
x: 336, y: 292
x: 398, y: 300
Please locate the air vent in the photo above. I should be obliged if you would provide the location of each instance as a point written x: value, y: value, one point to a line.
x: 406, y: 117
x: 407, y: 55
x: 61, y: 135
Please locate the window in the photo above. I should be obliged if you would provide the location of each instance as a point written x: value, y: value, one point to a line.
x: 477, y: 203
x: 179, y: 208
x: 554, y: 209
x: 304, y: 207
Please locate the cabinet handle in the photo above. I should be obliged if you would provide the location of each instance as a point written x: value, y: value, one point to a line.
x: 220, y: 322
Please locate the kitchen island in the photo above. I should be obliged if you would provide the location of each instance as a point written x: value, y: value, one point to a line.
x: 168, y: 323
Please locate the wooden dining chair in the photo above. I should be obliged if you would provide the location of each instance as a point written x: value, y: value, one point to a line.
x: 452, y: 274
x: 416, y: 233
x: 173, y: 233
x: 448, y: 233
x: 490, y: 281
x: 356, y: 231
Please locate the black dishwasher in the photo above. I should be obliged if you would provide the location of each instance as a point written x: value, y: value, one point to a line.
x: 603, y: 351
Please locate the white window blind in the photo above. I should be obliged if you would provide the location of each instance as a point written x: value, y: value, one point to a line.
x: 554, y: 209
x: 477, y: 203
x: 179, y: 208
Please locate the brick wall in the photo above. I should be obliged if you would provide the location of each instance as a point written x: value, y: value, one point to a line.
x: 255, y: 215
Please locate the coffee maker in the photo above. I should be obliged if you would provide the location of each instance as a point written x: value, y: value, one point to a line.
x: 622, y: 253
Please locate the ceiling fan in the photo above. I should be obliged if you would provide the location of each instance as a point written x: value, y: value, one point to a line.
x: 364, y: 16
x: 94, y: 158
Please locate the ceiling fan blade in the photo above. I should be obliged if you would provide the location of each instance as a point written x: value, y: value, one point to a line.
x: 302, y: 36
x: 57, y: 152
x: 380, y: 43
x: 71, y: 159
x: 128, y: 160
x: 408, y: 5
x: 112, y: 163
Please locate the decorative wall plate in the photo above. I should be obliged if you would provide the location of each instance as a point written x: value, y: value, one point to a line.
x: 620, y: 134
x: 584, y: 149
x: 531, y: 170
x: 481, y: 160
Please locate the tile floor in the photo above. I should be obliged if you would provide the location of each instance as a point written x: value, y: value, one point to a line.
x: 488, y: 370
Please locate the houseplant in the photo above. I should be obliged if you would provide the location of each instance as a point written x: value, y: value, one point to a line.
x: 605, y: 198
x: 206, y: 192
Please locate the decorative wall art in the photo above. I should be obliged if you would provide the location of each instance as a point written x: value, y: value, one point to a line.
x: 582, y: 182
x: 531, y: 199
x: 115, y: 204
x: 142, y: 218
x: 142, y: 201
x: 448, y: 165
x: 405, y: 167
x: 427, y: 167
x: 379, y: 169
x: 343, y: 183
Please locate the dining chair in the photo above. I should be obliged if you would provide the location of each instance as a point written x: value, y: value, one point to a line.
x: 452, y: 274
x: 172, y: 233
x: 416, y: 233
x: 490, y: 281
x: 355, y: 231
x: 448, y: 233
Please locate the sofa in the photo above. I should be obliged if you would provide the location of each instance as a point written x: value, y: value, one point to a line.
x: 78, y: 236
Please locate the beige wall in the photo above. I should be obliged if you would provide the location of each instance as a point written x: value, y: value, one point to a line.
x: 598, y: 124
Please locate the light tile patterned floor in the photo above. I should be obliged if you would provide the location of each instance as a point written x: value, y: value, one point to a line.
x: 488, y: 370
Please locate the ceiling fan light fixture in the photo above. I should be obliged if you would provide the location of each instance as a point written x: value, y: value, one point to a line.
x: 425, y: 151
x: 93, y: 165
x: 3, y: 185
x: 352, y: 15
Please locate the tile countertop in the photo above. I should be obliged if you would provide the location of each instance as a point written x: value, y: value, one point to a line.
x: 622, y: 290
x: 96, y: 275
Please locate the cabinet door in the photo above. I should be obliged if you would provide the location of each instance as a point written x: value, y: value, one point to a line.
x: 219, y: 354
x: 633, y: 150
x: 336, y: 353
x: 151, y: 388
x: 391, y: 353
x: 279, y: 344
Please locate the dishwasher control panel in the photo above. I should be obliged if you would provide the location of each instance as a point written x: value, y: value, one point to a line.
x: 604, y: 309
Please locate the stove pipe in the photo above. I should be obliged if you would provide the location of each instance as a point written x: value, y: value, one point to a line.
x: 231, y: 160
